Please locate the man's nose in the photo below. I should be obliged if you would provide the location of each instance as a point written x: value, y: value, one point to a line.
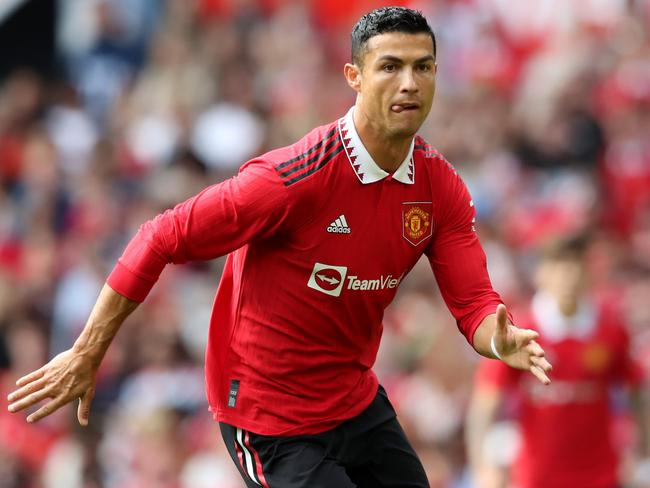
x: 408, y: 83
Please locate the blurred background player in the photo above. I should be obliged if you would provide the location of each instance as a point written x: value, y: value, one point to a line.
x: 567, y: 437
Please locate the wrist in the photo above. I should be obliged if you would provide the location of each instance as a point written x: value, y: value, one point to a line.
x: 493, y: 347
x: 91, y: 352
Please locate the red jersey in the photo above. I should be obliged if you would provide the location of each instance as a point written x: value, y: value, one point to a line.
x: 566, y: 439
x: 319, y: 239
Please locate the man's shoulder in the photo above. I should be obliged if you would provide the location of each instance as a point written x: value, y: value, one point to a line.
x: 610, y: 315
x: 431, y: 157
x: 305, y: 157
x: 311, y: 148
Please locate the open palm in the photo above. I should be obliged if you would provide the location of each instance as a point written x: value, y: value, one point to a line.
x: 518, y: 348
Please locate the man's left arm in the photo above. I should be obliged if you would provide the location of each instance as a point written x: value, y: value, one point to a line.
x: 460, y: 267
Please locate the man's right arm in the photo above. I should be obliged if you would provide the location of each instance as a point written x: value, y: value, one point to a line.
x: 72, y: 374
x: 220, y: 219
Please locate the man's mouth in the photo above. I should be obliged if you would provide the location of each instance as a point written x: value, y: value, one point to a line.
x: 405, y: 106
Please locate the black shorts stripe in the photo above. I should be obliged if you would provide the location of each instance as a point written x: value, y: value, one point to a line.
x: 316, y: 157
x: 248, y: 458
x: 316, y: 167
x: 314, y: 148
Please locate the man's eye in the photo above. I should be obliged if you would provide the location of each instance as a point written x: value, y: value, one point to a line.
x: 389, y: 68
x: 424, y: 67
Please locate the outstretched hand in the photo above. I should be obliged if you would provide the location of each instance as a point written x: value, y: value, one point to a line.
x: 67, y: 377
x: 518, y: 348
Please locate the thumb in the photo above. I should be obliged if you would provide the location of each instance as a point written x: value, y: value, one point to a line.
x: 83, y: 411
x: 502, y: 320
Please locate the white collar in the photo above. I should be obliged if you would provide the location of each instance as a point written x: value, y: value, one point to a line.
x: 555, y: 326
x: 362, y: 163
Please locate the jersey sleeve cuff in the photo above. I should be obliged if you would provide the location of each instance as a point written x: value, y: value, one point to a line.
x: 130, y: 284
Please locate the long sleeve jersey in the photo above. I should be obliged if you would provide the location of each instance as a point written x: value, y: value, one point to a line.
x: 318, y: 239
x: 566, y: 427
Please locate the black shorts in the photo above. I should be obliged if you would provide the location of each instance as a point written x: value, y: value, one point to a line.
x: 369, y: 450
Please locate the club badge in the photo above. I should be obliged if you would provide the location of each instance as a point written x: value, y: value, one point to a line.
x: 416, y: 221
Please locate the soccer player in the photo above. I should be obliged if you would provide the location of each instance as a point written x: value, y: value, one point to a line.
x: 319, y: 235
x: 566, y: 427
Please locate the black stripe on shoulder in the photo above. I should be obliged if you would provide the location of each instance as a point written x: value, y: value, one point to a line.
x: 315, y: 168
x: 429, y: 151
x: 424, y: 147
x: 314, y: 148
x: 319, y: 155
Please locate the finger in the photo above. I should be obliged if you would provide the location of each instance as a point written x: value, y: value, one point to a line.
x: 30, y: 400
x: 541, y: 363
x: 26, y: 390
x: 502, y: 319
x: 83, y: 411
x: 48, y: 408
x: 535, y: 349
x: 540, y: 375
x: 526, y: 336
x: 34, y: 375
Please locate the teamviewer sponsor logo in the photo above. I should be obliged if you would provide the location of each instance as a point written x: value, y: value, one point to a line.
x: 328, y: 279
x: 331, y: 280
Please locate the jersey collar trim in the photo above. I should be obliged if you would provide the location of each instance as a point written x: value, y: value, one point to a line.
x: 362, y: 163
x: 557, y: 327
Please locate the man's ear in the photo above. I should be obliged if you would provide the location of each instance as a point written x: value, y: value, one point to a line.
x: 353, y: 76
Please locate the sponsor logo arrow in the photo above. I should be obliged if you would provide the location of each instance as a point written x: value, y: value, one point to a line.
x: 328, y: 279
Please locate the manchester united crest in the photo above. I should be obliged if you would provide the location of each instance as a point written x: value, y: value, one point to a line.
x: 596, y: 357
x: 416, y: 221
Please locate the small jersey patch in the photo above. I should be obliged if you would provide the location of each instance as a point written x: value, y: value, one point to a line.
x: 232, y: 393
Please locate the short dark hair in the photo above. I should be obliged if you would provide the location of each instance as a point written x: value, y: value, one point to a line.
x: 573, y: 247
x: 387, y: 19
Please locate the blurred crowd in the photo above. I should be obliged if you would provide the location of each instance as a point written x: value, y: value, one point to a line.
x: 543, y: 106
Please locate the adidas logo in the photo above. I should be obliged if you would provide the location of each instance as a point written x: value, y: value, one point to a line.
x: 339, y: 226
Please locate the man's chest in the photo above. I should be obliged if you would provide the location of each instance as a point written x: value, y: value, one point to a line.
x: 593, y: 358
x: 364, y: 237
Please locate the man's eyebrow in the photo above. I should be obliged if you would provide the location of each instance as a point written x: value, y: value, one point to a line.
x: 395, y: 59
x: 424, y: 59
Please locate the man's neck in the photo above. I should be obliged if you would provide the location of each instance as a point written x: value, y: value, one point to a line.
x: 388, y: 153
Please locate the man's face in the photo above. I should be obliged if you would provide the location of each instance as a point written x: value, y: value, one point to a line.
x: 396, y: 82
x: 565, y: 280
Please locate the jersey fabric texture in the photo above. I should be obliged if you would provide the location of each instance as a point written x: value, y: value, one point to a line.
x: 367, y: 451
x: 566, y: 425
x: 297, y: 317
